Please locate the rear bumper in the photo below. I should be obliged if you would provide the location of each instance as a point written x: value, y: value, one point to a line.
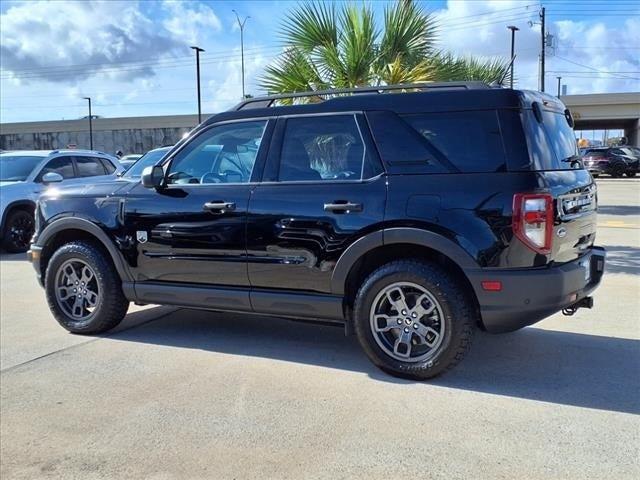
x: 530, y: 295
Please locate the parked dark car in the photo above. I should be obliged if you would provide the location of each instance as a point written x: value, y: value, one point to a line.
x: 409, y: 218
x: 614, y: 161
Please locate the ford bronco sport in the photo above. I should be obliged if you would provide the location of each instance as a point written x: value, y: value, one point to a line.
x: 410, y: 214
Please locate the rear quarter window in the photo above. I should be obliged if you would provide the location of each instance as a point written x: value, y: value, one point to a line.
x: 471, y: 141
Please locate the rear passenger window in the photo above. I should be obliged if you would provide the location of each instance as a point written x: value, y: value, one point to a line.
x: 89, y: 167
x: 471, y: 141
x: 324, y: 148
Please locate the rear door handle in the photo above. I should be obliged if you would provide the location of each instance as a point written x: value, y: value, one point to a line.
x: 219, y: 207
x: 342, y: 206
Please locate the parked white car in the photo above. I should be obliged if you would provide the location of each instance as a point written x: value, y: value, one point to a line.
x: 25, y: 174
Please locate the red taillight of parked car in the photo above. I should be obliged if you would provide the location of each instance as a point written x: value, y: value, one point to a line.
x: 533, y: 220
x: 595, y: 159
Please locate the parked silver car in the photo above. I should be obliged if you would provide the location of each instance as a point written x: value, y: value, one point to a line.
x: 25, y: 174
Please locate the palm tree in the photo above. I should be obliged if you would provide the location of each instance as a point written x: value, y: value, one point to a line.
x: 327, y: 47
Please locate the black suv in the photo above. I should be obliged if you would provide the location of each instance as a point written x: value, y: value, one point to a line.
x: 614, y: 161
x: 411, y: 218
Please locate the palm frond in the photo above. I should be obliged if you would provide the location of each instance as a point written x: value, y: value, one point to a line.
x: 310, y: 26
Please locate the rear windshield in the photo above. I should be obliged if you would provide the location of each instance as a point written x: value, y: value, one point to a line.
x: 552, y: 143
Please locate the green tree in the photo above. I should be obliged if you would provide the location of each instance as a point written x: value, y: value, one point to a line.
x: 342, y: 47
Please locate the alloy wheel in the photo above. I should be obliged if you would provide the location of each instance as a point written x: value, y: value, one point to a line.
x: 77, y: 289
x: 407, y: 322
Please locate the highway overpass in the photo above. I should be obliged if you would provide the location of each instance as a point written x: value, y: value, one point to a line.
x: 610, y: 111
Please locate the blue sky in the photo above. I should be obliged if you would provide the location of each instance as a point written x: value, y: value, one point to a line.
x: 133, y: 57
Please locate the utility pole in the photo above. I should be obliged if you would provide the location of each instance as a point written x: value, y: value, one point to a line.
x: 90, y: 124
x: 513, y: 29
x: 241, y: 25
x: 543, y: 41
x: 198, y: 50
x: 559, y: 81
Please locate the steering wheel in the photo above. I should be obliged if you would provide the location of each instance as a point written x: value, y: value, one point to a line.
x: 210, y: 177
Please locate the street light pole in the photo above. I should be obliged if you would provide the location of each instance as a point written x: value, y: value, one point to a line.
x: 559, y: 80
x: 198, y: 50
x: 241, y: 25
x: 543, y: 40
x: 513, y: 29
x: 90, y: 124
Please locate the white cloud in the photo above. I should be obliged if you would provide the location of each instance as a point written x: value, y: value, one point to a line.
x: 97, y: 37
x: 480, y: 28
x: 187, y: 19
x: 222, y: 93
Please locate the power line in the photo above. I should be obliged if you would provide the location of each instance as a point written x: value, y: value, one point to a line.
x: 131, y: 68
x: 593, y: 68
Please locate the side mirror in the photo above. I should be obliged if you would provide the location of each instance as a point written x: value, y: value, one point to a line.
x: 152, y: 177
x: 51, y: 177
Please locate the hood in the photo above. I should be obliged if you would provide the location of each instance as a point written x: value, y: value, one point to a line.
x: 100, y: 189
x: 6, y: 184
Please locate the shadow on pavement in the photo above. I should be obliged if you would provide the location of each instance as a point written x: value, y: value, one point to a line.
x: 618, y: 210
x: 12, y: 257
x: 622, y: 259
x: 549, y: 366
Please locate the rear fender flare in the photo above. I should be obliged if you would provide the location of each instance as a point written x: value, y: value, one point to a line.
x: 392, y: 236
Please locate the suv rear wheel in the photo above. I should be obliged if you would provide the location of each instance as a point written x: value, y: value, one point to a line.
x: 18, y: 231
x: 83, y: 289
x: 618, y: 169
x: 413, y: 320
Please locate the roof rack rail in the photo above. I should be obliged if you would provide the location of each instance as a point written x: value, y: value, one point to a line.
x: 270, y: 100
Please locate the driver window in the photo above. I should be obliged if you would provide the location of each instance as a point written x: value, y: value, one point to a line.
x: 222, y: 154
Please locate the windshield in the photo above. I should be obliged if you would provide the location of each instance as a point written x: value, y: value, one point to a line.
x: 16, y: 168
x: 147, y: 160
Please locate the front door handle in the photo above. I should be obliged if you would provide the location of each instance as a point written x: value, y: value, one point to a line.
x: 342, y: 206
x: 219, y: 207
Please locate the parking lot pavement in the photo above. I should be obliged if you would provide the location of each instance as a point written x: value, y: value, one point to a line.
x: 178, y: 393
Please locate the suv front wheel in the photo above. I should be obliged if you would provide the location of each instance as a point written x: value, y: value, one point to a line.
x: 18, y: 231
x: 413, y: 320
x: 83, y: 289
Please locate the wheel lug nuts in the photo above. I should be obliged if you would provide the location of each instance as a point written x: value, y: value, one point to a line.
x: 414, y: 314
x: 404, y: 312
x: 75, y: 290
x: 415, y: 325
x: 406, y: 330
x: 399, y: 322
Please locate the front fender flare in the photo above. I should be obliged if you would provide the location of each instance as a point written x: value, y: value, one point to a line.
x: 77, y: 223
x: 390, y: 236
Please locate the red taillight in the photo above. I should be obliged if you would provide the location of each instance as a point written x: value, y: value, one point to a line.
x: 533, y: 220
x: 596, y: 159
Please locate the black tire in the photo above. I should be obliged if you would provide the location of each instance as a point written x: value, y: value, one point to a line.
x: 458, y: 312
x: 631, y: 174
x: 18, y: 230
x: 618, y: 169
x: 595, y: 175
x: 111, y: 305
